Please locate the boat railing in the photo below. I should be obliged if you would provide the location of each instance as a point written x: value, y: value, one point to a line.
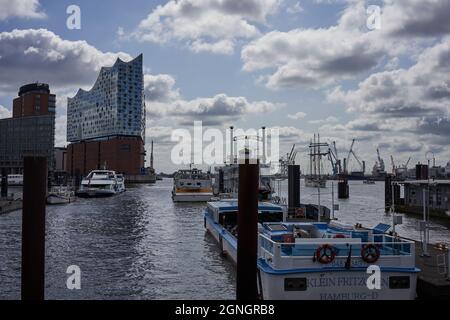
x: 393, y: 251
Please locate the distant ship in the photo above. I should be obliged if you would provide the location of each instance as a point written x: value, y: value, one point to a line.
x: 192, y: 185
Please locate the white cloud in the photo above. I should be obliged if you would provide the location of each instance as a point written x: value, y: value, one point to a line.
x: 297, y: 116
x: 40, y: 55
x: 160, y: 88
x: 205, y: 25
x: 4, y: 113
x: 421, y: 90
x: 218, y: 110
x: 317, y: 57
x: 329, y: 119
x: 20, y: 9
x: 295, y: 8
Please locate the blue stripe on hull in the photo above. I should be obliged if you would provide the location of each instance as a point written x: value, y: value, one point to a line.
x: 262, y: 264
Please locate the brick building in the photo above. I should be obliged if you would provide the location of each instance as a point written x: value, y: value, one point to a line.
x: 106, y: 125
x: 31, y: 130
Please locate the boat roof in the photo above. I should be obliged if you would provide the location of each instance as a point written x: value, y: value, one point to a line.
x: 232, y: 205
x: 102, y: 171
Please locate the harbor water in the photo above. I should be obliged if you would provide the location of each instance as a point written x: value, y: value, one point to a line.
x: 141, y: 245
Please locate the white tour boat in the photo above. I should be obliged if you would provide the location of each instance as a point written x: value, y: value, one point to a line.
x: 101, y: 183
x: 15, y: 179
x: 192, y: 185
x: 319, y: 261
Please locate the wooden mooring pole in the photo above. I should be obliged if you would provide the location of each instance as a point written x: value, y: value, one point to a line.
x: 4, y: 184
x: 33, y: 228
x: 246, y: 279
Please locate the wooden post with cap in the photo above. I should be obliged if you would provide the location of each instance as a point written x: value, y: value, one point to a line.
x: 33, y: 228
x: 246, y: 279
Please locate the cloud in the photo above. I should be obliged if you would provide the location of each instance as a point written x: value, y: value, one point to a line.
x: 160, y: 88
x: 40, y: 55
x: 205, y: 25
x: 423, y: 90
x: 20, y: 9
x: 412, y: 18
x: 297, y: 116
x: 329, y: 119
x: 316, y: 57
x: 4, y: 113
x: 295, y: 8
x: 218, y: 110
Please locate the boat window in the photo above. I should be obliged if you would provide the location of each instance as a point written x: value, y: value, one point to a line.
x: 270, y: 216
x: 295, y: 284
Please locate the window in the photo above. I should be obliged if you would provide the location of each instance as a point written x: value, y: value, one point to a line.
x: 295, y: 284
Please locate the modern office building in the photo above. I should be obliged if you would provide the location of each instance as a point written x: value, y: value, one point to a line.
x: 106, y: 125
x: 31, y: 130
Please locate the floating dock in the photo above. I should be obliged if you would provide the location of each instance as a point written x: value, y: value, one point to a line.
x: 433, y: 282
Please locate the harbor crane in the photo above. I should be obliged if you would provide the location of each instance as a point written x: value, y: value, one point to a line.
x: 350, y: 153
x: 334, y: 159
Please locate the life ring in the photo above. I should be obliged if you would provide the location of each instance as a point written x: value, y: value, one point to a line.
x: 325, y: 254
x: 370, y: 253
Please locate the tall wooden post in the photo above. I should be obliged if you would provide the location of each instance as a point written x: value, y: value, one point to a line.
x: 246, y: 286
x: 33, y: 228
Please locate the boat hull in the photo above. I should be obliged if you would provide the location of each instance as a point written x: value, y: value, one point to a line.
x: 340, y: 285
x: 192, y: 197
x: 56, y: 199
x: 95, y: 193
x: 226, y: 242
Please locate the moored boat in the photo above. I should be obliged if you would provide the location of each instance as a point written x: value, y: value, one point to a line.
x: 192, y: 185
x: 320, y: 261
x: 101, y: 183
x: 60, y: 195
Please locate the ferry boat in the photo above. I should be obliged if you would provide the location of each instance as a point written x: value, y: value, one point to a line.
x: 319, y: 261
x: 192, y: 185
x: 315, y: 182
x: 101, y: 183
x: 15, y: 179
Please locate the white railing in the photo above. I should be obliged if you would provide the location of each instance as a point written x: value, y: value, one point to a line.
x: 397, y: 253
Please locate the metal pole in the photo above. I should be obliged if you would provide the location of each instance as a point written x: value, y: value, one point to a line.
x: 393, y: 208
x: 332, y: 200
x: 448, y: 263
x: 246, y: 278
x: 424, y: 242
x: 33, y: 228
x: 319, y: 178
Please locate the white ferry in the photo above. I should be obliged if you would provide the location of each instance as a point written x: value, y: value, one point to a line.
x: 101, y: 183
x: 192, y: 185
x: 15, y: 179
x: 319, y: 261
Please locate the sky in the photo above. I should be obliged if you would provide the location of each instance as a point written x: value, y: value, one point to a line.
x: 334, y: 67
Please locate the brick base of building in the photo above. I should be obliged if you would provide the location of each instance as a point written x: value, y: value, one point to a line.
x: 122, y: 154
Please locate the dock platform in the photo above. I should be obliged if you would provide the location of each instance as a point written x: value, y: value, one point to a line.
x: 432, y: 282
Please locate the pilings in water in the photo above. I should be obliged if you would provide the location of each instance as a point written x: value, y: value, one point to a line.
x: 4, y: 184
x: 343, y: 189
x: 293, y: 188
x: 246, y: 278
x: 33, y: 228
x: 388, y: 193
